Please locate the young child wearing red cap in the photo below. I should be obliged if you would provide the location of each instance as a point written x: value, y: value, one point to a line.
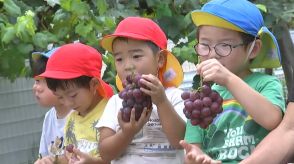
x: 73, y: 73
x: 51, y: 141
x: 139, y: 46
x: 232, y: 39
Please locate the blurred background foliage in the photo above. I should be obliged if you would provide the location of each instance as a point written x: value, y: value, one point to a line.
x: 30, y: 25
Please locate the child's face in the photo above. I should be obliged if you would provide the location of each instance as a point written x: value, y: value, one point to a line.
x: 80, y: 99
x: 134, y: 56
x: 43, y: 94
x: 236, y: 61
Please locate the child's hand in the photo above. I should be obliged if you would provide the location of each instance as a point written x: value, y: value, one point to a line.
x: 156, y: 89
x: 82, y: 158
x: 195, y: 156
x: 213, y: 70
x: 45, y: 160
x: 133, y: 127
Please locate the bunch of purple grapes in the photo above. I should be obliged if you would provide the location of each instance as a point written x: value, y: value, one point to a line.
x: 133, y: 97
x: 202, y: 105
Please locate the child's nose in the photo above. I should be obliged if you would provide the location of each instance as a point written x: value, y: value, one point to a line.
x: 68, y: 103
x: 212, y: 54
x: 37, y: 88
x: 129, y: 65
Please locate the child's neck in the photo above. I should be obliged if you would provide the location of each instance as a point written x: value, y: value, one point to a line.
x: 244, y: 74
x: 61, y: 111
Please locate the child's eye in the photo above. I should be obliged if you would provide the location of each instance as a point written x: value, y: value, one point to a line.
x: 118, y: 59
x: 73, y: 96
x: 137, y: 56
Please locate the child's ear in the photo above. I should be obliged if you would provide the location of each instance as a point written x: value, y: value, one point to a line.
x: 162, y: 58
x: 94, y: 83
x: 256, y: 49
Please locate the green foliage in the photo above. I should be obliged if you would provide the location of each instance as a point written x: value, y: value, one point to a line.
x: 29, y: 25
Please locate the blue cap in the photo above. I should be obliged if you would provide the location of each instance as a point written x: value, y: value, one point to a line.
x: 242, y: 16
x: 36, y: 55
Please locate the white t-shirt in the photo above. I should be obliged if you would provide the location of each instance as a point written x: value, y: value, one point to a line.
x: 52, y: 128
x: 150, y: 145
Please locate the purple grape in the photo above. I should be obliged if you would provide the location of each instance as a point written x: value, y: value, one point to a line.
x: 126, y: 114
x: 69, y: 148
x: 206, y: 90
x: 189, y: 105
x: 205, y: 112
x: 196, y: 114
x: 185, y: 95
x: 133, y: 97
x: 195, y: 121
x: 214, y: 95
x: 214, y: 107
x: 202, y: 106
x: 137, y: 93
x: 206, y: 101
x: 198, y: 104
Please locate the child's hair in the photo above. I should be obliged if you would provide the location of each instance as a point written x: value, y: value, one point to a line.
x: 150, y: 44
x: 38, y: 66
x: 81, y: 82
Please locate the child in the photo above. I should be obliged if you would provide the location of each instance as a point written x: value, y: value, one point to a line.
x: 278, y: 145
x: 232, y: 39
x: 73, y: 74
x: 52, y: 132
x: 139, y: 46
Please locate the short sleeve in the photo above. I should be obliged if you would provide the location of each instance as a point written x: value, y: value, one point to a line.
x: 193, y: 134
x: 176, y: 101
x: 109, y: 116
x: 272, y: 90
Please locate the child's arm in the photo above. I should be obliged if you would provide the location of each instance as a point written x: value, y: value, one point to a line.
x: 194, y: 154
x: 111, y: 144
x: 256, y: 105
x: 51, y: 160
x: 278, y: 146
x: 172, y: 124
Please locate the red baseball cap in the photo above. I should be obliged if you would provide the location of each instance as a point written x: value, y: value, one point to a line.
x: 145, y: 29
x: 74, y: 60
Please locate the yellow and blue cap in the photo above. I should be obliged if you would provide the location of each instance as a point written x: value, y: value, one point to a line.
x: 37, y: 55
x: 242, y: 16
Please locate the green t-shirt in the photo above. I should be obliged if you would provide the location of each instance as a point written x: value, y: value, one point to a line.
x: 234, y: 134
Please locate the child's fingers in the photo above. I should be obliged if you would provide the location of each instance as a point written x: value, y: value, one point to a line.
x: 132, y: 118
x: 119, y: 118
x: 144, y: 116
x: 215, y: 162
x: 200, y: 159
x: 79, y: 153
x: 185, y: 145
x: 191, y: 157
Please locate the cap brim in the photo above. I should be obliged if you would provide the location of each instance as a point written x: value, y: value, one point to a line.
x: 269, y: 55
x: 37, y: 55
x: 105, y: 90
x: 60, y: 75
x: 200, y: 18
x: 107, y: 40
x: 170, y: 75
